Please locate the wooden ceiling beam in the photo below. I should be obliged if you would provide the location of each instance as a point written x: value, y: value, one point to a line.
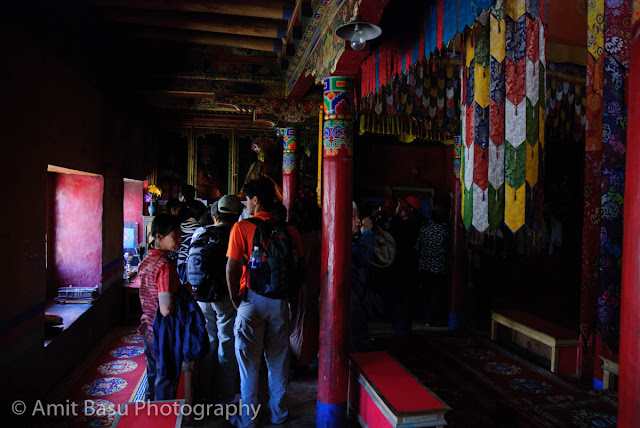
x: 200, y: 22
x: 273, y: 9
x: 204, y: 38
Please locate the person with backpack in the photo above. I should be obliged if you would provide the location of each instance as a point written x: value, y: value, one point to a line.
x: 206, y: 272
x: 262, y: 254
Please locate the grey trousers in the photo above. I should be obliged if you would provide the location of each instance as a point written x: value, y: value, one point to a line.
x: 221, y: 360
x: 262, y: 326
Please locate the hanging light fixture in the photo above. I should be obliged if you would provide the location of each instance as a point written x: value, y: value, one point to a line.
x: 358, y: 32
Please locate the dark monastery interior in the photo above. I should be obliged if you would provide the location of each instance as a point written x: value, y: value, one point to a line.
x: 478, y: 146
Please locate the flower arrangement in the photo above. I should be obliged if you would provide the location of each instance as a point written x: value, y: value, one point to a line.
x: 153, y: 193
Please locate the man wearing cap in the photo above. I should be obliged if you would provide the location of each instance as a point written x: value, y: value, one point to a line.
x: 217, y: 307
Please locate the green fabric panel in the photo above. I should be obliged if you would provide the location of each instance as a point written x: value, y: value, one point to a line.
x: 533, y: 122
x: 497, y: 10
x: 515, y: 165
x: 482, y: 45
x: 468, y: 208
x: 496, y: 207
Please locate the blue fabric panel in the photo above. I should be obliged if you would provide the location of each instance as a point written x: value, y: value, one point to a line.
x: 449, y: 21
x: 431, y: 28
x: 465, y: 14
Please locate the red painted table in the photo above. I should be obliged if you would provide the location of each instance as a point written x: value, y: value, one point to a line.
x: 156, y: 414
x: 383, y: 393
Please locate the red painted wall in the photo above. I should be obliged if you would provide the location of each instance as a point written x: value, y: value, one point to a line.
x: 382, y: 161
x: 132, y: 203
x: 78, y: 230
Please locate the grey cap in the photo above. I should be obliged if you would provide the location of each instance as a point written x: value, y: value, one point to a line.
x: 226, y: 205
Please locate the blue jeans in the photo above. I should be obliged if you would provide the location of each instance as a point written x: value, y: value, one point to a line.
x: 262, y: 326
x: 220, y: 317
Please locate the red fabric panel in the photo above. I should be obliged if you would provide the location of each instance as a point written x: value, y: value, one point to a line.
x: 156, y: 415
x: 515, y: 81
x: 469, y: 126
x: 539, y: 324
x: 533, y: 43
x: 481, y: 166
x: 400, y: 389
x: 496, y: 123
x: 77, y: 225
x: 369, y: 411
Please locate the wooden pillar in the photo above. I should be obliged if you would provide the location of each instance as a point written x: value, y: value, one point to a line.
x: 337, y: 189
x: 289, y: 169
x: 629, y: 367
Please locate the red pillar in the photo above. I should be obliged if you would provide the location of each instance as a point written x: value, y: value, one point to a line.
x: 629, y: 380
x: 337, y: 190
x: 289, y: 169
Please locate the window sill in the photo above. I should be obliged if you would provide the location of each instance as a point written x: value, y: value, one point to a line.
x: 69, y: 312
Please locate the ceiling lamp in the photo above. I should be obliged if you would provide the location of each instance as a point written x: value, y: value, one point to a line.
x: 358, y: 32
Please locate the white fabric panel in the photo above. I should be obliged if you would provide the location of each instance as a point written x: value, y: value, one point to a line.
x: 496, y: 164
x: 480, y: 209
x: 515, y: 124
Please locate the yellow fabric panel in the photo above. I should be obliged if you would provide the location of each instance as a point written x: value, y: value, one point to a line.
x: 516, y: 8
x: 481, y: 85
x: 532, y: 164
x: 470, y: 50
x: 498, y: 39
x: 449, y: 72
x: 514, y: 201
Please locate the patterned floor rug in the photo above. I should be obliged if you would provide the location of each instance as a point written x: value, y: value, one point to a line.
x: 488, y: 386
x: 113, y: 374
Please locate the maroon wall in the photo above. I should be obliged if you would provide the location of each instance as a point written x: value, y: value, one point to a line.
x: 383, y: 161
x: 77, y: 221
x: 132, y: 204
x: 57, y: 112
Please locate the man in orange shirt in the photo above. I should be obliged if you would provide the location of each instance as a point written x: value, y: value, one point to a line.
x: 261, y: 322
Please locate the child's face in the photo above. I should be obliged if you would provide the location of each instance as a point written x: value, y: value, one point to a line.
x: 170, y: 242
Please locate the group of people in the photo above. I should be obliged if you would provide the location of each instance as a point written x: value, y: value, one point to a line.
x: 249, y: 280
x: 402, y: 258
x: 256, y: 282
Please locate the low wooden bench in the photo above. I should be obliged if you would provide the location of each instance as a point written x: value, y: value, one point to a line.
x: 609, y: 371
x: 563, y: 341
x: 382, y: 393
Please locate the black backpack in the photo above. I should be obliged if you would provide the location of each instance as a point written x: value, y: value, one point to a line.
x: 272, y: 247
x: 207, y: 264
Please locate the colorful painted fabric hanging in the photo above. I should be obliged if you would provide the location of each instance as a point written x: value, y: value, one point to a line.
x: 480, y: 107
x: 612, y: 198
x: 427, y: 95
x: 467, y: 168
x: 496, y: 115
x: 505, y: 104
x: 566, y: 104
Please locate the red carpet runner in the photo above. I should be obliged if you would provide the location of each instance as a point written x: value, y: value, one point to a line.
x: 113, y: 375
